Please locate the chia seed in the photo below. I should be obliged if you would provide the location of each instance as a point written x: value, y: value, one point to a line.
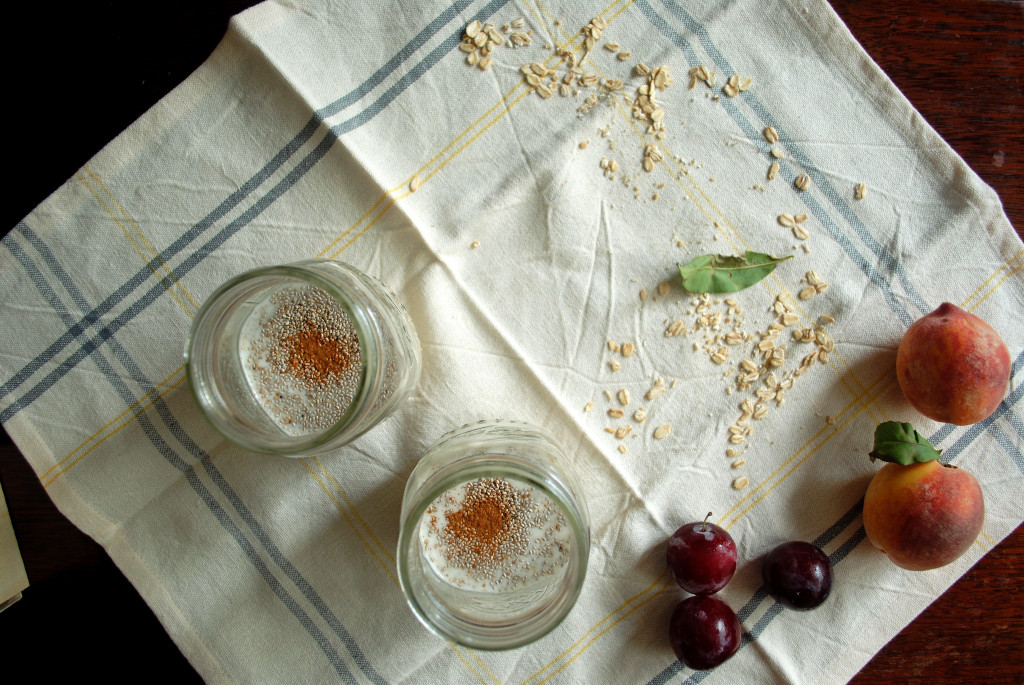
x: 495, y: 535
x: 301, y: 357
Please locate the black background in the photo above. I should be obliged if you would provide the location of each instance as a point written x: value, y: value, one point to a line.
x: 77, y: 74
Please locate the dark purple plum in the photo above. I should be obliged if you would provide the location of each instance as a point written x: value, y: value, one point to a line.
x: 701, y: 557
x: 704, y: 632
x: 798, y: 575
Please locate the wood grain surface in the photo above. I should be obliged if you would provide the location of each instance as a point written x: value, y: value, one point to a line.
x: 960, y: 62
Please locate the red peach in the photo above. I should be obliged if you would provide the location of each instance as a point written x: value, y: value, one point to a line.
x: 924, y: 515
x: 952, y: 366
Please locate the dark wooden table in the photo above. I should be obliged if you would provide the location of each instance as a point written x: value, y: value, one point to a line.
x: 961, y: 62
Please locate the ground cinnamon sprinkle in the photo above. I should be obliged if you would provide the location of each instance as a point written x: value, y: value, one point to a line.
x: 303, y: 359
x: 489, y: 525
x: 494, y: 534
x: 483, y: 523
x: 315, y: 355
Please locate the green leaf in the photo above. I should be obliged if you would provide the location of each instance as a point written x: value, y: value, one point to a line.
x: 715, y: 273
x: 899, y: 443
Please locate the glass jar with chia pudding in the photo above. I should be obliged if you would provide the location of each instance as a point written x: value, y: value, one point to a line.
x: 301, y: 358
x: 495, y: 536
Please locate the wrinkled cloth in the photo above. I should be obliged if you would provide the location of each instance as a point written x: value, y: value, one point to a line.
x: 13, y: 578
x: 522, y: 233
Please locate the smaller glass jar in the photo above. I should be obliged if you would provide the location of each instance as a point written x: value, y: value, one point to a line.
x: 494, y: 536
x: 301, y: 358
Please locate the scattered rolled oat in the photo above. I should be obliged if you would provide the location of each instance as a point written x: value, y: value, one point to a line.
x: 859, y: 191
x: 479, y: 40
x: 640, y: 415
x: 588, y: 406
x: 613, y: 346
x: 643, y: 294
x: 628, y: 349
x: 701, y: 73
x: 740, y: 483
x: 652, y: 155
x: 802, y: 182
x: 614, y: 365
x: 519, y: 38
x: 475, y: 244
x: 736, y: 85
x: 738, y: 463
x: 662, y: 431
x: 771, y: 135
x: 415, y: 183
x: 773, y: 171
x: 623, y: 431
x: 615, y: 413
x: 664, y: 287
x: 623, y: 396
x: 733, y: 338
x: 622, y: 449
x: 661, y: 78
x: 813, y: 282
x: 657, y: 391
x: 584, y: 144
x: 646, y: 109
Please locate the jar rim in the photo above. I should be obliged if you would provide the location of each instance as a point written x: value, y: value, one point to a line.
x: 557, y: 483
x: 367, y: 331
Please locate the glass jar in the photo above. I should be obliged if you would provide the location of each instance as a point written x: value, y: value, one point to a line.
x: 301, y: 358
x: 494, y: 537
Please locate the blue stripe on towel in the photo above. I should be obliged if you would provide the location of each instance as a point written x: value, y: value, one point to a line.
x: 418, y: 41
x: 188, y: 469
x: 1006, y: 408
x: 874, y: 275
x: 158, y: 263
x: 885, y: 257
